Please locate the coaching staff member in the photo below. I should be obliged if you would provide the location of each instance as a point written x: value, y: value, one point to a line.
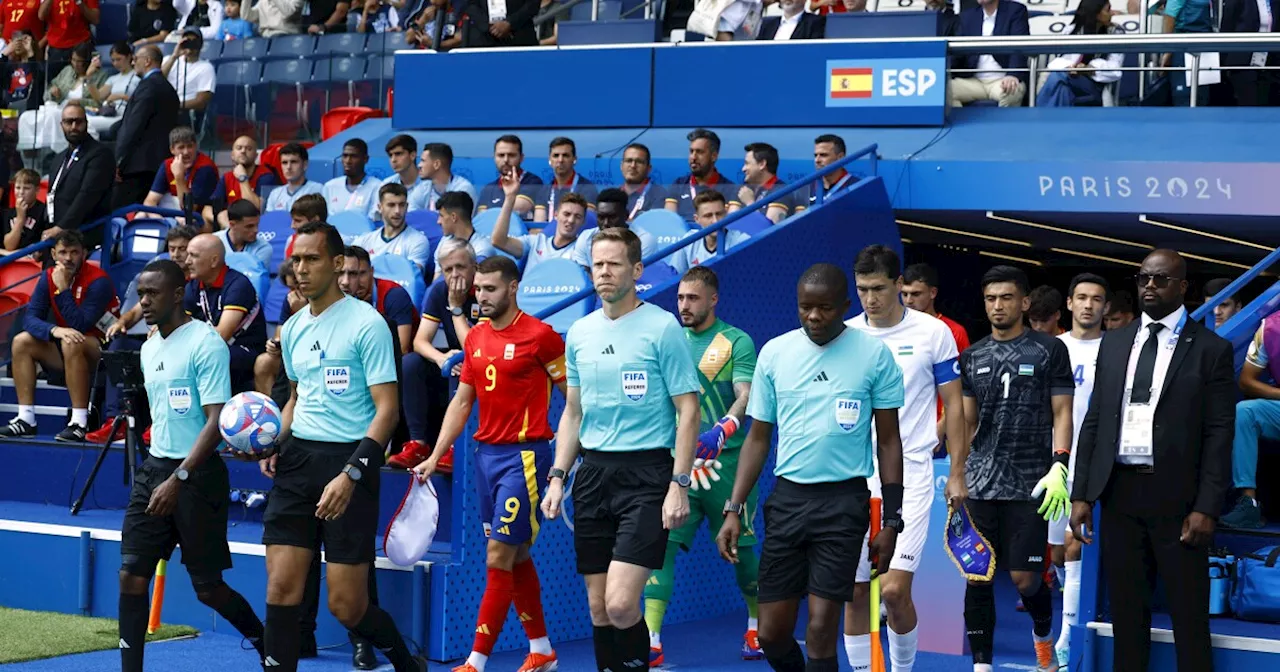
x: 343, y: 407
x: 1155, y: 448
x: 822, y: 385
x: 630, y: 371
x: 180, y: 492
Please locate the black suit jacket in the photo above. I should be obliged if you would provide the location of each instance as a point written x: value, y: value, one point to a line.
x: 84, y: 187
x: 1194, y: 422
x: 1241, y: 16
x: 142, y: 143
x: 520, y: 13
x: 1011, y: 19
x: 811, y: 27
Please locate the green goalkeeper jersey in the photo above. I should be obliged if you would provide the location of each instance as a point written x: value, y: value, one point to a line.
x: 725, y: 355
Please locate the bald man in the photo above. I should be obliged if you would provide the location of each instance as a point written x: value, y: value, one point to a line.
x: 247, y: 181
x: 227, y: 300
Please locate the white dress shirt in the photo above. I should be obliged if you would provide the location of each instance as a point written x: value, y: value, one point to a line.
x: 988, y: 69
x: 1164, y: 355
x: 787, y: 26
x: 1259, y: 58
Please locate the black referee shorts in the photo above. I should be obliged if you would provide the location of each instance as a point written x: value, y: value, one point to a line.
x: 813, y: 539
x: 303, y: 470
x: 617, y: 509
x: 1016, y: 531
x: 198, y: 524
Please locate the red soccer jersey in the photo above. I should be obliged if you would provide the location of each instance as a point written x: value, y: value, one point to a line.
x: 67, y: 25
x: 512, y: 371
x: 22, y: 15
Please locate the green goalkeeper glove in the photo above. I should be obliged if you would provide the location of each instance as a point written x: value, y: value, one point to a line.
x: 1054, y: 487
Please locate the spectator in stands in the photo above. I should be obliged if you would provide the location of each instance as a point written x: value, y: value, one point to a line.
x: 226, y: 299
x: 534, y: 248
x: 293, y: 163
x: 356, y: 190
x: 508, y: 155
x: 396, y: 236
x: 402, y: 154
x: 455, y: 209
x: 948, y: 22
x: 79, y: 80
x: 114, y: 94
x: 760, y: 175
x: 1251, y: 87
x: 1228, y: 307
x: 151, y: 21
x: 726, y: 20
x: 241, y: 234
x: 23, y: 76
x: 711, y: 208
x: 1186, y: 16
x: 642, y: 194
x: 704, y: 151
x: 828, y: 149
x: 266, y: 369
x: 202, y: 15
x: 794, y: 24
x: 1074, y: 78
x: 192, y: 78
x: 611, y: 211
x: 1121, y: 313
x: 274, y: 17
x: 60, y: 332
x: 421, y: 27
x: 999, y: 77
x: 391, y: 300
x: 499, y: 23
x: 1045, y: 312
x: 920, y: 292
x: 378, y: 16
x: 143, y: 138
x: 1258, y: 417
x: 548, y: 31
x: 26, y: 221
x: 80, y: 185
x: 22, y: 17
x: 246, y: 180
x: 564, y: 179
x: 824, y: 7
x: 436, y: 170
x: 68, y: 24
x: 327, y: 17
x: 451, y: 309
x: 129, y: 332
x: 234, y: 27
x: 186, y: 180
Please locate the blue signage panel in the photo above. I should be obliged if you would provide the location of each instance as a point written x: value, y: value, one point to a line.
x: 503, y: 89
x: 802, y: 84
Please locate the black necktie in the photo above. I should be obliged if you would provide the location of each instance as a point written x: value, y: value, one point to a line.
x: 1146, y: 366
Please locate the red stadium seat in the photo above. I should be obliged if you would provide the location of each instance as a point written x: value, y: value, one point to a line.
x: 391, y: 100
x: 42, y: 195
x: 11, y: 302
x: 340, y: 119
x: 271, y: 155
x: 19, y: 278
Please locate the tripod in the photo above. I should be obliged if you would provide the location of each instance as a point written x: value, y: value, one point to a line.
x: 126, y: 368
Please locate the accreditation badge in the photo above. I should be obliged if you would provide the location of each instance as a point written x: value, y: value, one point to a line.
x: 971, y: 552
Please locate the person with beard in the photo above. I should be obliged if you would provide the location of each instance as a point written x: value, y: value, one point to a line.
x: 760, y: 174
x: 793, y: 24
x: 80, y: 186
x: 538, y: 247
x: 247, y: 180
x: 642, y: 193
x: 704, y: 150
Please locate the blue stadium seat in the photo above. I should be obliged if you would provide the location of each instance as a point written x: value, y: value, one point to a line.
x: 340, y: 81
x: 291, y: 46
x: 253, y: 269
x: 590, y: 222
x: 113, y: 24
x: 350, y: 224
x: 104, y: 52
x: 254, y: 47
x: 385, y: 43
x: 381, y: 74
x: 211, y: 51
x: 485, y: 221
x: 548, y: 283
x: 655, y: 275
x: 278, y: 96
x: 403, y: 272
x: 341, y: 44
x: 609, y: 10
x: 666, y: 226
x: 427, y: 221
x: 275, y: 227
x: 232, y: 96
x: 753, y: 224
x: 276, y: 295
x: 141, y: 240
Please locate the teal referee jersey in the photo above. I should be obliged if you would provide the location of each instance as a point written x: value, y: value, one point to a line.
x: 184, y: 373
x: 334, y: 358
x: 821, y: 400
x: 627, y: 371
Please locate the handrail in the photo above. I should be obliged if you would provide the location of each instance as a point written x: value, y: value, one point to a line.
x: 120, y: 212
x: 1235, y: 285
x: 1113, y: 43
x: 760, y: 204
x: 556, y: 9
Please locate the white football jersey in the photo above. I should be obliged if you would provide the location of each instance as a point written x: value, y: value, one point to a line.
x: 1084, y: 360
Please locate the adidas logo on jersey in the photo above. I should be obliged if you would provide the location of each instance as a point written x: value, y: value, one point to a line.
x: 315, y: 347
x: 364, y: 461
x: 821, y: 377
x: 160, y: 368
x: 482, y: 629
x: 607, y: 351
x: 504, y: 530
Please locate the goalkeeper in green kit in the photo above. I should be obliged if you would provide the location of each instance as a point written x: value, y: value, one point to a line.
x: 726, y: 361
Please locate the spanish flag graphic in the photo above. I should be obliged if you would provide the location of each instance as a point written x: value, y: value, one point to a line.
x: 851, y: 82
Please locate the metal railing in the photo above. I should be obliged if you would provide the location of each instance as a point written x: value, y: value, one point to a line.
x: 1233, y: 287
x: 108, y: 236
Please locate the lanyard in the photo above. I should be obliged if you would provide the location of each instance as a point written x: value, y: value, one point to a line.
x: 639, y: 201
x: 693, y: 184
x: 551, y: 200
x: 57, y: 180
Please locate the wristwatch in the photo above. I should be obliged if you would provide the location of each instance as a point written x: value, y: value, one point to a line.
x: 730, y: 507
x: 352, y: 472
x: 556, y: 473
x: 683, y: 480
x: 456, y: 310
x: 182, y: 474
x: 894, y: 524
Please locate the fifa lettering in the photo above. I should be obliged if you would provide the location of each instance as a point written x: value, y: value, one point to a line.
x: 907, y: 82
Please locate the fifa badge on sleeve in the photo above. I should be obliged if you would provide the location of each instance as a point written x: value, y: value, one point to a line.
x: 971, y: 552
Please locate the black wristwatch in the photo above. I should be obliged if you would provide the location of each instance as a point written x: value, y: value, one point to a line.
x: 894, y: 524
x: 556, y: 473
x: 181, y: 474
x: 683, y: 480
x: 730, y: 507
x: 352, y: 472
x: 456, y: 310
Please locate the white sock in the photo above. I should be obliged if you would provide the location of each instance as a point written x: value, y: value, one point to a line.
x: 1070, y: 603
x: 858, y: 648
x: 80, y: 416
x: 27, y: 414
x: 753, y: 623
x: 1061, y: 573
x: 540, y: 645
x: 477, y: 660
x: 902, y: 649
x: 655, y: 640
x: 982, y: 667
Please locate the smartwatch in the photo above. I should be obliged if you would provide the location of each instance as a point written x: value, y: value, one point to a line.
x: 730, y: 507
x: 182, y: 474
x: 556, y: 473
x: 895, y: 524
x: 352, y: 472
x: 682, y: 480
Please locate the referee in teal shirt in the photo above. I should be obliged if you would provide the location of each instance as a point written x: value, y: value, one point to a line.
x: 630, y: 374
x: 341, y: 412
x: 821, y: 385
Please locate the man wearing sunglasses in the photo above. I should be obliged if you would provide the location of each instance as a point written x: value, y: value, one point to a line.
x: 1155, y: 448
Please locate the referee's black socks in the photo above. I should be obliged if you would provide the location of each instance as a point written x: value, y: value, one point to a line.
x: 282, y: 637
x: 631, y: 646
x: 134, y: 611
x: 1040, y: 607
x: 980, y: 620
x: 378, y: 627
x: 602, y: 636
x: 790, y: 659
x: 822, y: 665
x: 236, y: 610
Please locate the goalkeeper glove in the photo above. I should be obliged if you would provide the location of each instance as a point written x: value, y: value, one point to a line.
x: 705, y: 472
x: 711, y: 442
x: 1054, y: 487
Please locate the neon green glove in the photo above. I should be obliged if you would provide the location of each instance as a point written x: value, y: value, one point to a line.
x: 1054, y: 487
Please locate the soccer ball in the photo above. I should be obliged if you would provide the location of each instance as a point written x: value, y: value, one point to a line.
x: 250, y: 422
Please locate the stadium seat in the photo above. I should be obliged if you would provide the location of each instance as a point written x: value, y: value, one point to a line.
x: 253, y: 269
x: 548, y: 283
x: 113, y: 24
x: 403, y: 272
x: 485, y: 221
x: 278, y: 97
x: 609, y: 10
x: 655, y: 275
x: 19, y: 277
x: 252, y: 48
x: 665, y: 226
x: 141, y: 240
x: 1050, y: 25
x: 276, y: 294
x: 339, y: 119
x: 338, y: 83
x: 590, y: 220
x: 11, y: 302
x: 104, y: 52
x: 232, y: 95
x: 752, y: 224
x: 291, y: 46
x: 426, y: 221
x: 341, y: 44
x: 211, y: 51
x: 381, y: 73
x: 385, y: 43
x: 350, y: 224
x: 275, y: 228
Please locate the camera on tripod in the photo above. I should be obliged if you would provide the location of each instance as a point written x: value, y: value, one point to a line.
x: 124, y: 369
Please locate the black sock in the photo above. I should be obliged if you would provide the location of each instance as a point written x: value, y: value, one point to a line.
x: 373, y: 600
x: 378, y: 627
x: 310, y: 607
x: 602, y: 638
x: 822, y: 665
x: 281, y: 637
x: 631, y: 646
x: 134, y: 612
x: 980, y: 620
x: 790, y: 659
x: 1040, y: 607
x: 236, y: 610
